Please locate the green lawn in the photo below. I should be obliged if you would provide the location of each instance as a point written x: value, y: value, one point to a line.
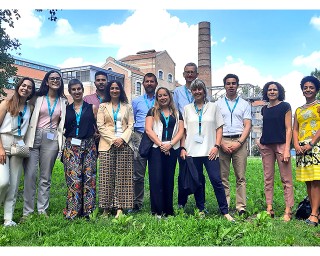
x: 185, y: 229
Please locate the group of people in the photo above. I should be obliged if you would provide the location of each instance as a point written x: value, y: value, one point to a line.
x: 184, y: 125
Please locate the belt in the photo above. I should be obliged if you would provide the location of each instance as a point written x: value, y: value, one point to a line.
x: 232, y: 136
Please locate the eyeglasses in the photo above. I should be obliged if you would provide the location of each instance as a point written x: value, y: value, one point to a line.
x: 189, y: 72
x: 58, y: 79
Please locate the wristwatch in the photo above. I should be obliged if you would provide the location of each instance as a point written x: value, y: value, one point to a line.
x: 217, y: 146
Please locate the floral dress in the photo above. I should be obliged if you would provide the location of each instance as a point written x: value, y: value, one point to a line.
x: 308, y: 164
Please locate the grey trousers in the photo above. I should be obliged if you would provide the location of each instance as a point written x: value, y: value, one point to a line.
x: 139, y: 170
x: 44, y: 154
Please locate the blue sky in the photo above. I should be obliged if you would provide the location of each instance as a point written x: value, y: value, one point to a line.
x: 258, y: 45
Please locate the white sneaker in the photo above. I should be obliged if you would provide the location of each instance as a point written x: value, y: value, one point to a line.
x: 9, y: 223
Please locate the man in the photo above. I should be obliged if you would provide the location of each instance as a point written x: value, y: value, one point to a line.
x: 182, y: 96
x: 100, y: 83
x: 141, y: 106
x: 236, y: 113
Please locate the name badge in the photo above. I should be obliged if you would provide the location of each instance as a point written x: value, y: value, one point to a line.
x: 198, y: 138
x: 75, y: 142
x: 50, y: 136
x: 21, y: 143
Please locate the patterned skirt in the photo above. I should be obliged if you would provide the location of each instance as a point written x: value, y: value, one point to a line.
x: 308, y: 164
x: 116, y: 178
x: 80, y: 166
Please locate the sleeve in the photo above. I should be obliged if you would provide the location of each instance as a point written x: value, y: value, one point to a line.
x: 134, y: 108
x: 185, y: 117
x: 218, y: 117
x: 176, y: 98
x: 180, y: 116
x: 247, y: 112
x: 126, y: 135
x: 102, y: 124
x: 150, y: 112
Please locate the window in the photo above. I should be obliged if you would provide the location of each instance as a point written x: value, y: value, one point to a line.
x: 170, y: 78
x: 138, y: 88
x: 110, y: 68
x: 160, y: 74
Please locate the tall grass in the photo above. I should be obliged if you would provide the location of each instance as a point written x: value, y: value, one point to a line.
x: 185, y: 229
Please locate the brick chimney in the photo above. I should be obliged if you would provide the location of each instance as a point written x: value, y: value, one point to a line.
x: 204, y: 54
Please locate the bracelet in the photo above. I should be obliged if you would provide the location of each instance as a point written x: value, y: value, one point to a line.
x: 311, y: 144
x: 241, y: 142
x: 170, y: 143
x: 183, y: 148
x: 217, y: 146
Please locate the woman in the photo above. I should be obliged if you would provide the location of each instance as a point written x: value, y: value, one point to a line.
x: 275, y: 145
x: 80, y: 154
x: 115, y: 125
x: 44, y: 137
x: 14, y: 120
x: 306, y: 136
x: 164, y: 126
x: 203, y: 133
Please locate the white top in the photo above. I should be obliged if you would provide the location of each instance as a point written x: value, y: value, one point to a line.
x: 242, y: 111
x: 211, y: 120
x: 10, y: 123
x: 119, y: 126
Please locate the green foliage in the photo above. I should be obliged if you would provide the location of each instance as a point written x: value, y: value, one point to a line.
x: 316, y: 73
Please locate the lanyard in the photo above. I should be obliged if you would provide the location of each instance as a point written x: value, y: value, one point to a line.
x: 187, y: 94
x: 78, y: 118
x: 99, y: 98
x: 115, y: 117
x: 199, y: 112
x: 166, y: 119
x: 147, y: 101
x: 20, y: 118
x: 51, y: 111
x: 234, y: 106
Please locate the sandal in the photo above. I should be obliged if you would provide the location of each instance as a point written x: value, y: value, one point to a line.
x: 312, y: 223
x: 270, y: 213
x: 287, y: 216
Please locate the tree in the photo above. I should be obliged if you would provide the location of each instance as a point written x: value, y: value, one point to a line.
x: 316, y: 73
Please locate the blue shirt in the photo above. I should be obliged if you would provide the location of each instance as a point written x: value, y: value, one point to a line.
x: 180, y: 97
x: 140, y: 111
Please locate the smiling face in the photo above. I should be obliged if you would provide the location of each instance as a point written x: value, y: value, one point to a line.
x: 100, y: 83
x: 198, y: 94
x: 76, y: 92
x: 25, y: 89
x: 54, y: 81
x: 163, y: 98
x: 150, y: 84
x: 273, y: 92
x: 231, y: 87
x: 114, y: 91
x: 309, y: 91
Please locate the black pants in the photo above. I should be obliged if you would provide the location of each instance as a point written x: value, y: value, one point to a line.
x: 161, y: 180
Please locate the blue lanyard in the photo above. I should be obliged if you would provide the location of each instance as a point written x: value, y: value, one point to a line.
x: 147, y: 101
x: 78, y: 118
x: 99, y: 98
x: 187, y: 94
x: 166, y: 119
x: 199, y: 112
x: 51, y: 111
x: 234, y: 106
x: 20, y: 118
x: 115, y: 116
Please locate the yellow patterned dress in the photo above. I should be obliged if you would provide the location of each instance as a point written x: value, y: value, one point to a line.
x: 308, y: 165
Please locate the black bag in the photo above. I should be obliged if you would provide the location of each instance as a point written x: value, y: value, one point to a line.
x: 145, y: 145
x: 304, y: 209
x: 188, y: 176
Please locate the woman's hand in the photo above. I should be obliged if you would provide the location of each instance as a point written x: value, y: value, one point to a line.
x: 2, y: 156
x: 213, y: 153
x: 165, y: 148
x: 183, y: 154
x: 299, y: 149
x: 286, y: 156
x: 118, y: 142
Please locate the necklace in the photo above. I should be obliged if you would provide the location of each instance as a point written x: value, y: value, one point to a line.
x: 311, y: 103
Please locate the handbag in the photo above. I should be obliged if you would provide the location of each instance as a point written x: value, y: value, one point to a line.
x: 19, y: 150
x: 304, y: 209
x: 189, y: 177
x: 145, y: 145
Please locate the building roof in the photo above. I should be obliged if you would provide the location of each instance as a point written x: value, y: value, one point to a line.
x: 133, y: 69
x: 30, y: 72
x: 141, y: 55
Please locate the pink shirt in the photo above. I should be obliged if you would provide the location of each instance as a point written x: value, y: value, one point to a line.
x: 44, y: 118
x: 92, y: 99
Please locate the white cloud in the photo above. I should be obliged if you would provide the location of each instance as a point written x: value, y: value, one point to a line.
x: 312, y: 61
x: 77, y: 61
x: 315, y: 22
x: 28, y: 26
x: 63, y: 28
x: 223, y: 39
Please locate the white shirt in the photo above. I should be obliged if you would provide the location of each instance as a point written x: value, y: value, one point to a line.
x: 211, y: 120
x: 233, y: 123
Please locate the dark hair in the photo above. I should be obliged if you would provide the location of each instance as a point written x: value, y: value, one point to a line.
x: 280, y: 88
x: 73, y: 82
x: 230, y: 76
x: 44, y: 88
x: 13, y: 103
x: 311, y: 79
x: 191, y: 64
x: 100, y: 73
x: 123, y: 96
x: 150, y: 75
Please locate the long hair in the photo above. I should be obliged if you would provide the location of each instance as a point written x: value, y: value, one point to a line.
x: 157, y: 108
x: 44, y: 88
x: 122, y: 98
x: 13, y: 103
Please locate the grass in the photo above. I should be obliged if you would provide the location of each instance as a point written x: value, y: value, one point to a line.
x: 185, y: 229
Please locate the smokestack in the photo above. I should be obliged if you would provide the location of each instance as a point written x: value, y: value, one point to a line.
x: 204, y: 54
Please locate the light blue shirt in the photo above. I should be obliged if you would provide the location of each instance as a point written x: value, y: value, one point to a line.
x: 140, y: 109
x: 180, y: 97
